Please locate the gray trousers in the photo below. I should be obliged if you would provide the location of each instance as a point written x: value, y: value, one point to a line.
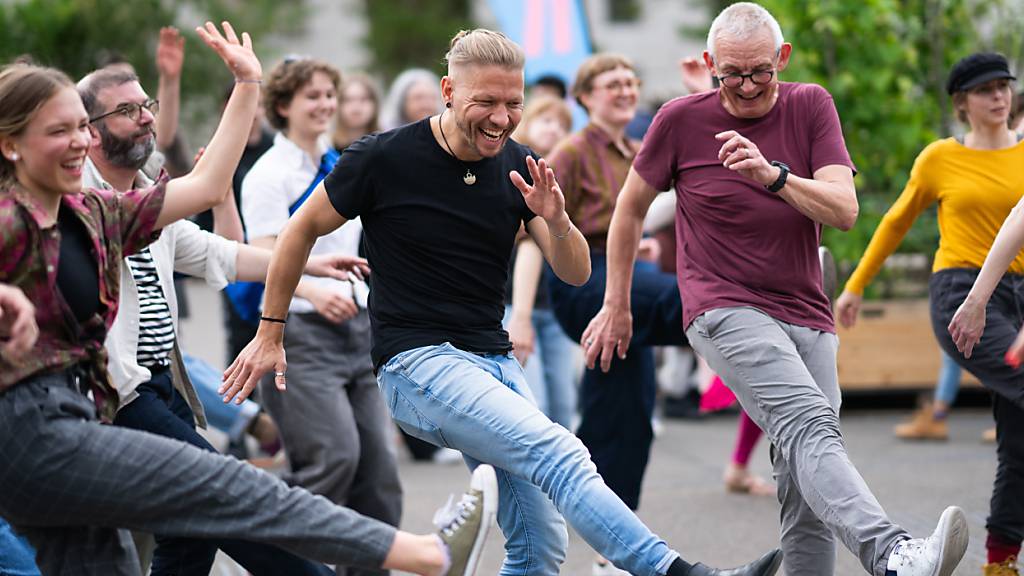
x: 74, y: 487
x: 333, y: 422
x: 785, y: 378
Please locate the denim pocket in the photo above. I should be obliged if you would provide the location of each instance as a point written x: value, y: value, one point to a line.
x: 411, y: 420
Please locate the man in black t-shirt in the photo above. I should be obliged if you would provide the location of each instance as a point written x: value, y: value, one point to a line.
x: 441, y: 201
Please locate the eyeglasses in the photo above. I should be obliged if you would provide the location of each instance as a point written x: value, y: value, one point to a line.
x: 131, y: 111
x: 621, y: 85
x: 757, y: 78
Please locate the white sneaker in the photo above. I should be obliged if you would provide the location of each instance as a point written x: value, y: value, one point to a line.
x: 936, y: 555
x: 607, y: 569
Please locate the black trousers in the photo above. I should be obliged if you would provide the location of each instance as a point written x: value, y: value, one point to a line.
x: 1004, y: 318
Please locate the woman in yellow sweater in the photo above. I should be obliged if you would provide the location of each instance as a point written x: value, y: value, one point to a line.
x: 976, y: 180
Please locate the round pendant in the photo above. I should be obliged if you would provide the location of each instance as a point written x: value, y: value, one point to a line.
x: 469, y: 178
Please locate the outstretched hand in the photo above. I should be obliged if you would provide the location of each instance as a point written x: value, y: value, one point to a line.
x: 170, y: 53
x: 544, y: 198
x: 258, y: 357
x: 237, y: 55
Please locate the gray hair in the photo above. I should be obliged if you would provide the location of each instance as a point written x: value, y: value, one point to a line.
x: 484, y: 47
x: 742, y: 20
x: 392, y: 112
x: 93, y: 83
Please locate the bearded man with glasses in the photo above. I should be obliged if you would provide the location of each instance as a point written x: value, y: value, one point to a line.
x: 759, y: 167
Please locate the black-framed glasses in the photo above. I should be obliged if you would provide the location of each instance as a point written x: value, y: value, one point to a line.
x: 131, y: 111
x: 757, y: 77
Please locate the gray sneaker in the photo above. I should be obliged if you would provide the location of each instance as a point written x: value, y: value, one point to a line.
x: 463, y: 525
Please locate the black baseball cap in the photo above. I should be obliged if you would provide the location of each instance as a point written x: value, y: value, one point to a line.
x: 977, y: 69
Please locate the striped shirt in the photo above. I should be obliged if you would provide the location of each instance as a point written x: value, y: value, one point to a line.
x: 591, y: 170
x: 156, y: 332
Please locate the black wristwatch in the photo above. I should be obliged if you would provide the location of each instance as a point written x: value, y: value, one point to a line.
x: 780, y: 182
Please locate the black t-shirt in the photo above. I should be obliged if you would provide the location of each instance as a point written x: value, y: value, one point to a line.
x: 438, y: 248
x: 77, y: 272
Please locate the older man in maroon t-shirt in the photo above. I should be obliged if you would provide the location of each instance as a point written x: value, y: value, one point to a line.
x: 758, y: 167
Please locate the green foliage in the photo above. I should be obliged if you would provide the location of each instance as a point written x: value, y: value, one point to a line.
x: 78, y: 36
x: 412, y: 33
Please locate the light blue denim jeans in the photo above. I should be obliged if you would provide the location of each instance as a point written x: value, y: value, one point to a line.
x: 550, y: 369
x: 482, y: 406
x: 948, y: 386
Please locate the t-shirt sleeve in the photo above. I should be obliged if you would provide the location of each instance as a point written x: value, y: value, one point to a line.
x: 828, y: 147
x: 350, y: 184
x: 657, y: 160
x: 137, y: 213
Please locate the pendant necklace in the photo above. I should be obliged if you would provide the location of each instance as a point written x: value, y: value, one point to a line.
x: 469, y: 178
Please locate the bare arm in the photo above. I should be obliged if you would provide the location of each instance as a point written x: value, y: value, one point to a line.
x: 315, y: 218
x: 210, y: 180
x: 525, y: 278
x: 612, y: 328
x: 829, y: 197
x: 226, y: 220
x: 170, y: 56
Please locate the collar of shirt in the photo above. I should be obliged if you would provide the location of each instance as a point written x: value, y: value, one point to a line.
x: 91, y: 177
x: 595, y: 134
x: 296, y: 157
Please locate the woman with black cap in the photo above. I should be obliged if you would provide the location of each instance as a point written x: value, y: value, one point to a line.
x: 976, y: 180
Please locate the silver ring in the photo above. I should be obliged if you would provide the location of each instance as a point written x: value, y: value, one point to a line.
x: 589, y: 342
x: 279, y: 374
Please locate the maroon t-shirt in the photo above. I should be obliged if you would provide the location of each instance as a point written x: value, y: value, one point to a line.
x: 738, y: 243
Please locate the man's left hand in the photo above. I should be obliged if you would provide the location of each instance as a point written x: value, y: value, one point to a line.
x: 743, y: 156
x: 338, y: 266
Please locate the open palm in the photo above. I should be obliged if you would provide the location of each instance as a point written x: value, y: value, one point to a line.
x: 237, y: 55
x: 544, y: 198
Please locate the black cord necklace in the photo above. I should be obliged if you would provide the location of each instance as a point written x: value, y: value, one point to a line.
x: 469, y: 178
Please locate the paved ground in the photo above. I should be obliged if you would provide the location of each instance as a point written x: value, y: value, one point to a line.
x: 683, y: 499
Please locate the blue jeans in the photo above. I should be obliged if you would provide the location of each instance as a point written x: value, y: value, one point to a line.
x: 549, y: 370
x: 228, y: 417
x: 482, y: 406
x: 160, y: 409
x: 17, y: 558
x: 948, y: 386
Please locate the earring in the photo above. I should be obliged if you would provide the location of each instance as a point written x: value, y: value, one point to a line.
x: 14, y: 156
x: 447, y: 104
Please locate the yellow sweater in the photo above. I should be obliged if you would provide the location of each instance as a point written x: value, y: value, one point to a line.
x: 975, y: 189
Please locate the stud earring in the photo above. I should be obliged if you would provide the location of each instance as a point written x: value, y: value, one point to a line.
x: 14, y: 156
x: 447, y: 104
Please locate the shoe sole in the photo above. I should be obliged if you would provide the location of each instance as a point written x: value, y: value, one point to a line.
x: 953, y: 541
x: 486, y: 481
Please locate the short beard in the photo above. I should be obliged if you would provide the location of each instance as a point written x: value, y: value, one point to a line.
x: 469, y: 135
x: 126, y: 152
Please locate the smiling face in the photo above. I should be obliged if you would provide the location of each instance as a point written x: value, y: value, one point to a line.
x: 613, y: 97
x: 487, y: 104
x: 546, y: 130
x: 989, y: 104
x: 124, y: 142
x: 756, y: 53
x: 312, y: 107
x: 53, y: 146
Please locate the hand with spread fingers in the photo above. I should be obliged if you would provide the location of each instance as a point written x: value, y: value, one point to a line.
x: 544, y: 198
x: 236, y: 54
x: 264, y: 354
x: 170, y: 52
x: 741, y: 155
x: 607, y: 334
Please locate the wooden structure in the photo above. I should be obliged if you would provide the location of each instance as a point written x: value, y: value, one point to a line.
x: 892, y: 347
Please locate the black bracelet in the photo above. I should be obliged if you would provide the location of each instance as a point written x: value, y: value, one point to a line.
x: 274, y: 320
